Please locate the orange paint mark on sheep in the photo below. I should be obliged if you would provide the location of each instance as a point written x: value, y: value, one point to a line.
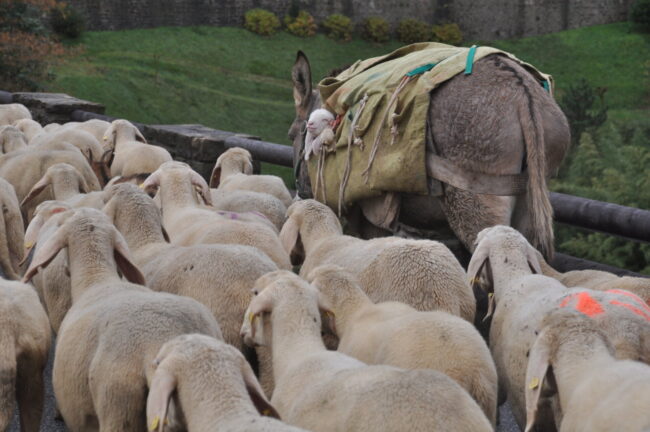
x: 633, y: 296
x: 585, y: 304
x: 632, y: 308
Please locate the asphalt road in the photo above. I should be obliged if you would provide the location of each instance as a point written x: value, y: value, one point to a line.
x: 50, y: 424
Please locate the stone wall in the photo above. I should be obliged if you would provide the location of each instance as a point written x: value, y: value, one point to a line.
x: 482, y: 19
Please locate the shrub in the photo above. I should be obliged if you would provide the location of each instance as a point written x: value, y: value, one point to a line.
x: 375, y: 29
x: 447, y: 33
x: 302, y: 25
x: 411, y: 31
x: 26, y: 49
x: 640, y: 14
x: 67, y: 21
x: 338, y: 27
x: 261, y: 21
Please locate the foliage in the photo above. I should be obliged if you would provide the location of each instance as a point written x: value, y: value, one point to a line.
x: 302, y: 25
x: 411, y: 31
x: 448, y: 33
x: 375, y: 29
x: 609, y: 168
x: 338, y: 27
x: 26, y: 50
x: 261, y: 21
x: 640, y: 15
x: 67, y: 21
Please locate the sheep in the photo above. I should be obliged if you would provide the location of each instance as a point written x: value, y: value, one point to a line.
x: 29, y: 128
x: 11, y: 232
x: 421, y: 273
x: 248, y: 201
x: 395, y: 334
x: 132, y: 153
x: 114, y: 328
x: 599, y: 280
x: 572, y: 361
x: 10, y: 113
x: 24, y: 169
x: 523, y: 297
x: 323, y: 390
x: 52, y: 283
x: 24, y: 346
x: 319, y: 131
x: 193, y: 366
x: 95, y: 127
x: 11, y: 139
x: 177, y: 182
x: 233, y: 171
x: 219, y: 276
x: 85, y: 142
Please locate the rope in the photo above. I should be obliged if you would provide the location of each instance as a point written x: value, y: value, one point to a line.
x: 348, y: 165
x: 375, y: 145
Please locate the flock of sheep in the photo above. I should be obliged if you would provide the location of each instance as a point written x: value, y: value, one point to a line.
x: 181, y: 312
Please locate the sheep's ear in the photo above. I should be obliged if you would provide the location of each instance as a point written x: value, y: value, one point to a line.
x: 290, y: 234
x: 36, y: 189
x: 259, y: 304
x: 109, y: 208
x: 82, y: 184
x: 110, y: 137
x: 248, y: 167
x: 533, y: 260
x: 255, y: 391
x: 204, y: 189
x: 215, y: 177
x: 139, y: 136
x: 47, y: 252
x: 327, y: 312
x: 151, y: 182
x: 165, y: 235
x: 163, y: 385
x: 123, y: 259
x: 540, y: 382
x: 301, y: 78
x: 476, y: 265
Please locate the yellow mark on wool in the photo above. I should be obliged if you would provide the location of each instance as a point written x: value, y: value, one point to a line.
x: 154, y: 423
x: 29, y: 245
x: 533, y: 383
x: 251, y: 317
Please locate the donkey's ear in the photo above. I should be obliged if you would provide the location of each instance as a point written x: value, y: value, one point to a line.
x: 301, y: 78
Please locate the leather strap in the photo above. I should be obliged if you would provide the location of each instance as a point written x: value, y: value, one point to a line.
x: 472, y: 181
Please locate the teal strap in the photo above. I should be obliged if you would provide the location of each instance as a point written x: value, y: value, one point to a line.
x: 546, y: 86
x: 470, y: 60
x: 421, y: 69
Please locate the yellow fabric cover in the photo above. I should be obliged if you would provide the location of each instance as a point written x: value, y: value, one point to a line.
x: 397, y: 167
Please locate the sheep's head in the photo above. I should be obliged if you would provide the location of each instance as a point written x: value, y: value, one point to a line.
x: 334, y: 283
x: 123, y: 128
x: 207, y: 357
x: 290, y: 296
x: 561, y: 329
x: 61, y: 173
x: 234, y: 160
x: 83, y: 228
x: 177, y: 173
x: 502, y: 240
x: 304, y: 217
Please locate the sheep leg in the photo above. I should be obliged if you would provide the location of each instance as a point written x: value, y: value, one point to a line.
x: 119, y: 399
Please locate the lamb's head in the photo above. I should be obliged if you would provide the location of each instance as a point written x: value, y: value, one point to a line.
x: 98, y: 244
x: 304, y: 219
x: 131, y: 209
x: 562, y: 330
x: 336, y: 284
x: 42, y: 215
x: 61, y: 175
x: 205, y: 358
x: 11, y: 138
x: 123, y: 129
x: 180, y: 178
x: 290, y: 298
x: 232, y: 161
x: 498, y: 245
x: 319, y: 120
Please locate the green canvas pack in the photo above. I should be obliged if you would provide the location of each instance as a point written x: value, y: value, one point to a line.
x: 382, y: 105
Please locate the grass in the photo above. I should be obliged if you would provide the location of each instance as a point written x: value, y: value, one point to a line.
x: 231, y: 79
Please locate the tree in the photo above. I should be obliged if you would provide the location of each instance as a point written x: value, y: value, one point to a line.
x: 27, y: 50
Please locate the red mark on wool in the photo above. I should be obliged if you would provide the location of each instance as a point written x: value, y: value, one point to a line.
x: 585, y: 304
x: 632, y: 308
x: 633, y: 296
